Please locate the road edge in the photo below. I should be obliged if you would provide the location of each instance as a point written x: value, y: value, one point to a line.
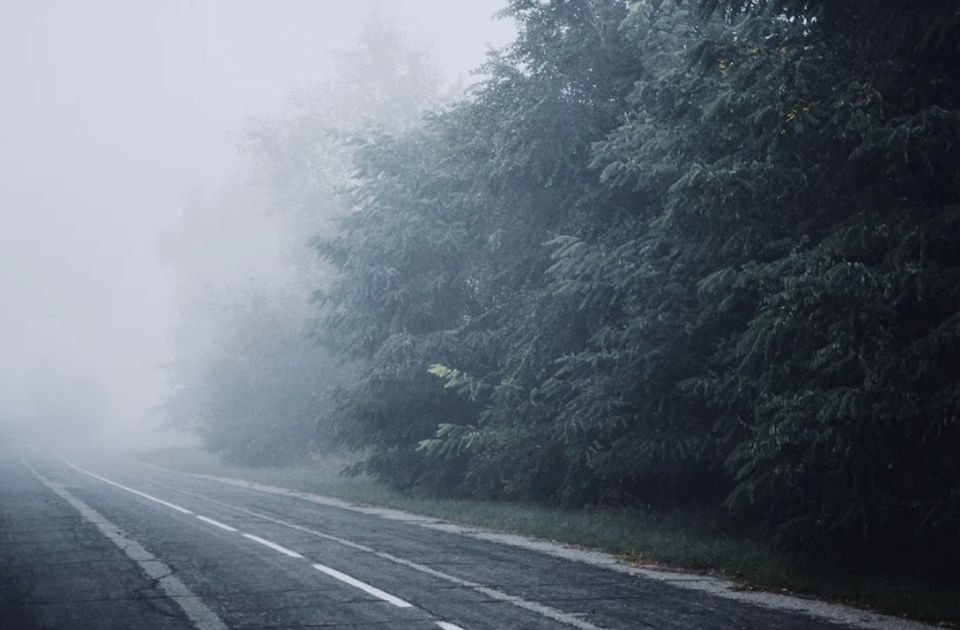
x: 720, y: 587
x: 157, y: 572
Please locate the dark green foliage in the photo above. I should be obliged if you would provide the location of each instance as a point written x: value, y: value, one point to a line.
x: 676, y: 255
x: 809, y: 191
x: 444, y: 258
x: 399, y: 299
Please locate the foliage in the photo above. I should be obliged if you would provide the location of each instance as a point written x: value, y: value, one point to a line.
x: 443, y: 261
x: 808, y: 195
x: 674, y: 253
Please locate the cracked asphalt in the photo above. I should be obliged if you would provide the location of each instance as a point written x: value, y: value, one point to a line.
x: 105, y: 543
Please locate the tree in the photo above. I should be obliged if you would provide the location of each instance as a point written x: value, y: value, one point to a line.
x: 669, y: 254
x: 249, y: 375
x: 808, y: 194
x: 444, y: 257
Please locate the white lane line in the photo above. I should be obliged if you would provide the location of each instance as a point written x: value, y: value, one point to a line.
x: 172, y: 506
x: 567, y: 619
x: 274, y: 546
x: 343, y: 577
x: 202, y: 617
x: 363, y: 586
x: 717, y: 587
x: 216, y: 523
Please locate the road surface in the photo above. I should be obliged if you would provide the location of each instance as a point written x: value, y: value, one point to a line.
x: 106, y: 542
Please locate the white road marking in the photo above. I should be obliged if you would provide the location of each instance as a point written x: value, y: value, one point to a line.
x: 339, y: 575
x: 172, y: 506
x: 719, y: 587
x: 543, y: 610
x: 216, y: 523
x: 569, y: 619
x: 202, y: 617
x: 274, y: 546
x: 363, y: 586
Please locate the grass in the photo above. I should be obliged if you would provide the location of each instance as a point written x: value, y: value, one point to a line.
x: 681, y: 539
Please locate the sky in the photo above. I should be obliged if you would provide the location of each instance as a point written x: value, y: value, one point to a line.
x: 111, y: 113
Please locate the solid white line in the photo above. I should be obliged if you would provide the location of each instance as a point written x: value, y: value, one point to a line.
x: 216, y: 523
x: 202, y: 617
x: 172, y: 506
x: 719, y: 587
x: 363, y: 586
x: 446, y: 625
x: 559, y: 616
x: 274, y: 546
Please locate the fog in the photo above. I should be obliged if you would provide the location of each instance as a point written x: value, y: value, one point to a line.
x: 122, y: 192
x: 638, y: 266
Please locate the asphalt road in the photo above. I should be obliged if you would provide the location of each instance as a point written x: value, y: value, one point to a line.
x: 104, y: 543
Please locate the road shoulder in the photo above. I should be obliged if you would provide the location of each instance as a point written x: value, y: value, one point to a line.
x: 711, y: 585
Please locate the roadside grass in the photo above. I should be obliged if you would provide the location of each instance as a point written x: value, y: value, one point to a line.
x: 681, y: 539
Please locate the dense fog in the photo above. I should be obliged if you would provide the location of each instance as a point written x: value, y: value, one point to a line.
x: 123, y: 192
x: 592, y: 253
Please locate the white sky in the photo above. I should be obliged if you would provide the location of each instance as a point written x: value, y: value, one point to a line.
x: 109, y: 111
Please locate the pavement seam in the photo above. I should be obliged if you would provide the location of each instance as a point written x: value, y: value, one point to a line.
x: 719, y: 587
x: 548, y: 612
x: 202, y: 617
x: 334, y: 573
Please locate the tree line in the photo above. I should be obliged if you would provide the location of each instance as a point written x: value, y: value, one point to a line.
x: 672, y: 252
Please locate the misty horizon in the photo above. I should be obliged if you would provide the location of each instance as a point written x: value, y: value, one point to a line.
x: 121, y: 132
